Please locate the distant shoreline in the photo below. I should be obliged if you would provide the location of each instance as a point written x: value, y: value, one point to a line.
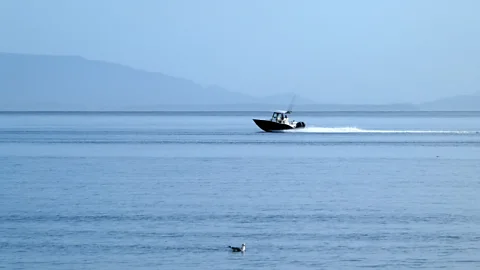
x: 213, y: 110
x: 70, y: 83
x: 265, y: 113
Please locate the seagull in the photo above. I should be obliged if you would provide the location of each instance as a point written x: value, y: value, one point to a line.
x: 236, y: 249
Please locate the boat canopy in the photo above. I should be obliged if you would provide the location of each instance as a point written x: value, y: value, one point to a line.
x: 281, y: 112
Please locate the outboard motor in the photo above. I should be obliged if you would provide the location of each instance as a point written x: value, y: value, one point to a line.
x: 300, y: 125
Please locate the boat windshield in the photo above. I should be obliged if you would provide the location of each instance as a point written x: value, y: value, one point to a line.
x: 279, y: 117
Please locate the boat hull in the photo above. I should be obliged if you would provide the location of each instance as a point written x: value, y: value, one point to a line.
x: 268, y: 126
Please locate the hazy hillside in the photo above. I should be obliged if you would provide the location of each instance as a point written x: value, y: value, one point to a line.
x: 67, y: 82
x: 456, y: 103
x: 42, y: 82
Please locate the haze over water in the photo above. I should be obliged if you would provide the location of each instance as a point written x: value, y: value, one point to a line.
x: 173, y: 190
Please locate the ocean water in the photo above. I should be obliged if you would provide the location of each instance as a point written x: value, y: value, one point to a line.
x: 152, y: 190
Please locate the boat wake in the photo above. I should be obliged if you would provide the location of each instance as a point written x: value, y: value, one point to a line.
x: 382, y: 131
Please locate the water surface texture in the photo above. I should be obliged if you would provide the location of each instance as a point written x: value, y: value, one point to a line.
x: 152, y: 190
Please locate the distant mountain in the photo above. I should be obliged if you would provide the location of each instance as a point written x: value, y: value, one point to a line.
x: 45, y: 82
x: 42, y: 82
x: 455, y: 103
x: 285, y: 99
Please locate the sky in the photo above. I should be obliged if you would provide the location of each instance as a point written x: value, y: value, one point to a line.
x: 344, y: 51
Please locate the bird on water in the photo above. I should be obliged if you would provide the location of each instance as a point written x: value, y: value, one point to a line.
x: 238, y: 249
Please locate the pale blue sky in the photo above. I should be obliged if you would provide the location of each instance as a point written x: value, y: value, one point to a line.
x: 332, y: 51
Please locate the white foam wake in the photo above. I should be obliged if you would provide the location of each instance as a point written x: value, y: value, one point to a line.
x: 359, y: 130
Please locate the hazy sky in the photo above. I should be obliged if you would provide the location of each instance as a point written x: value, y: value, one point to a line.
x: 332, y: 51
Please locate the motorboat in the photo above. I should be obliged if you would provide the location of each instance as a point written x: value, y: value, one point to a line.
x: 279, y: 121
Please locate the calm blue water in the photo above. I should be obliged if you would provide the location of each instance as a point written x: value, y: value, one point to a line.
x: 173, y: 190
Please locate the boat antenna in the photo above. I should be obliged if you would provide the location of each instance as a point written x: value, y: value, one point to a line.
x: 289, y: 110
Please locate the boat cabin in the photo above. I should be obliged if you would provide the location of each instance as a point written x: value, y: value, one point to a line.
x: 280, y: 117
